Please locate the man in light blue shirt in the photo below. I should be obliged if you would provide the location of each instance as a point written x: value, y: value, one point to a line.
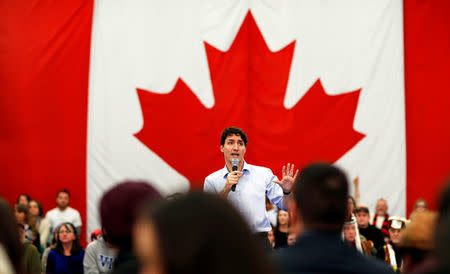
x: 253, y: 183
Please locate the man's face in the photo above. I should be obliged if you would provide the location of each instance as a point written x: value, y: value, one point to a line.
x: 363, y: 219
x: 381, y: 207
x: 396, y: 235
x: 350, y: 232
x: 233, y: 147
x: 62, y: 200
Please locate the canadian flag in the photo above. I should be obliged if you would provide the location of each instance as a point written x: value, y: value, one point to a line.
x: 95, y: 92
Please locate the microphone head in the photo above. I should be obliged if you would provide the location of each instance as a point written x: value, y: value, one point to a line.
x: 235, y: 162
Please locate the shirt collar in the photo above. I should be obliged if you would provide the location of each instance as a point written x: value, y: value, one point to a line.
x: 245, y: 170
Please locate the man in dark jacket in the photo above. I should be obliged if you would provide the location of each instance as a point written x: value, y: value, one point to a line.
x: 320, y: 205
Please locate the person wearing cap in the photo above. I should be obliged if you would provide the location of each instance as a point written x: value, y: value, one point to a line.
x: 355, y: 240
x: 255, y: 184
x: 390, y: 252
x: 371, y: 232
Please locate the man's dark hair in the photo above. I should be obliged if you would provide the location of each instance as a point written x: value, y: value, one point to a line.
x: 233, y: 131
x: 63, y: 191
x: 321, y: 194
x: 214, y: 237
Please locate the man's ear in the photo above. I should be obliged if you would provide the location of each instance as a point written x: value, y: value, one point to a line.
x: 221, y: 148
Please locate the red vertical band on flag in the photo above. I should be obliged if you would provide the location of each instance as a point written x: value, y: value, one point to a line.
x: 427, y: 97
x: 44, y: 72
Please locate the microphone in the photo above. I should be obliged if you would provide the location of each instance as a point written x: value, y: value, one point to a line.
x: 234, y: 167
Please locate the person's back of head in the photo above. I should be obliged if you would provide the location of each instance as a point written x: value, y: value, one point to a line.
x: 442, y: 237
x: 118, y: 210
x: 321, y: 193
x: 9, y: 236
x: 214, y: 237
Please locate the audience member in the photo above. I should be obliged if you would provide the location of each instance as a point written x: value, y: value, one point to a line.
x: 390, y: 252
x: 36, y: 214
x: 118, y: 208
x: 271, y: 238
x: 9, y: 237
x: 67, y: 256
x: 370, y: 232
x: 292, y: 238
x: 218, y: 241
x: 23, y: 199
x: 417, y: 241
x: 281, y: 230
x: 381, y: 218
x: 99, y: 256
x: 31, y: 261
x: 442, y: 237
x: 48, y: 249
x: 29, y: 225
x: 63, y: 213
x: 272, y: 212
x: 5, y: 264
x: 357, y: 241
x: 95, y: 234
x: 321, y: 194
x: 420, y: 205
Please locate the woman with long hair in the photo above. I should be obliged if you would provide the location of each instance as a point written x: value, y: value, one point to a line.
x: 197, y: 233
x: 36, y: 215
x: 67, y: 256
x: 31, y: 232
x: 281, y: 230
x: 9, y: 237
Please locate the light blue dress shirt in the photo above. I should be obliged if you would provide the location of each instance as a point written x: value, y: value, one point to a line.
x: 250, y: 195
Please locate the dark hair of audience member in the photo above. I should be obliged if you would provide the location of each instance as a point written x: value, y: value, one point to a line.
x: 63, y: 191
x: 9, y: 236
x: 23, y: 195
x: 442, y: 237
x: 214, y: 237
x: 119, y: 208
x: 321, y: 195
x: 76, y: 247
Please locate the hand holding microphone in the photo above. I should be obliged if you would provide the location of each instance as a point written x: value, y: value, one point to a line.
x: 234, y: 168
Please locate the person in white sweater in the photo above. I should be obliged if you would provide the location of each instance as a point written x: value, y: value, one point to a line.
x: 63, y: 213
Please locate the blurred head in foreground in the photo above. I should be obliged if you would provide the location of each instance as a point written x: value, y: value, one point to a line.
x: 321, y: 197
x: 197, y: 233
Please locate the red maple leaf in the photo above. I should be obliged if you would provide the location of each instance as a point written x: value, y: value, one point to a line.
x: 249, y: 83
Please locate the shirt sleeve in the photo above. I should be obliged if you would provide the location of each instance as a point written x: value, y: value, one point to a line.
x: 208, y: 186
x: 77, y: 221
x: 274, y: 191
x: 89, y: 261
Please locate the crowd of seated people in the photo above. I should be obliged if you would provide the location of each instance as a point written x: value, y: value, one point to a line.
x: 324, y: 231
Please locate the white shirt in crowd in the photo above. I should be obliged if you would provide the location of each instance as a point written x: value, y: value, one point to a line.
x: 56, y: 217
